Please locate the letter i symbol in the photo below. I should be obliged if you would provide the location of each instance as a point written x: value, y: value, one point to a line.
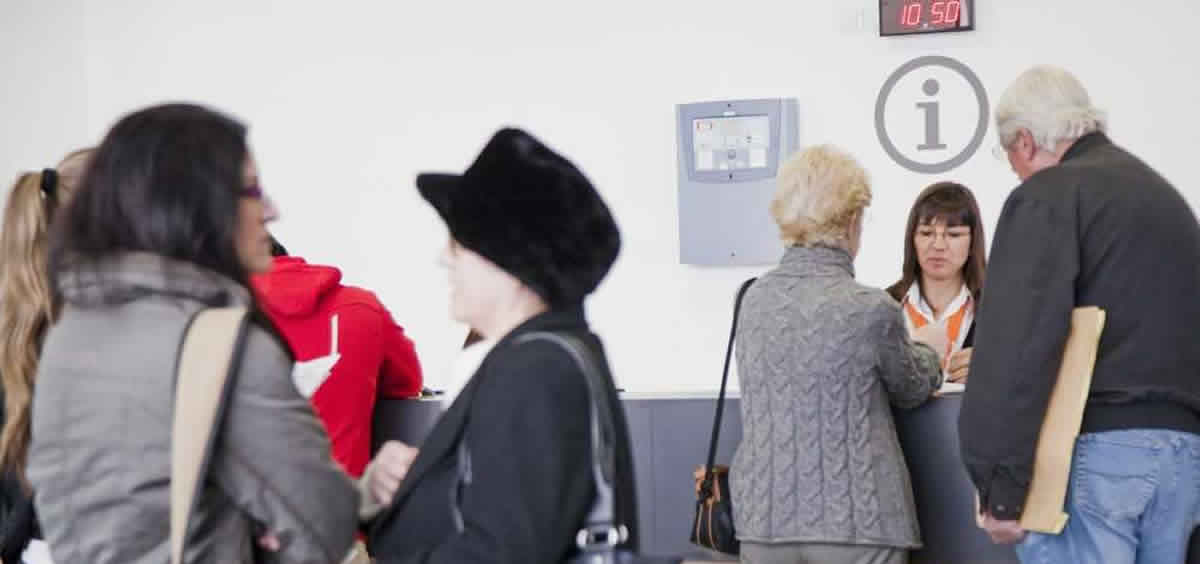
x: 933, y: 130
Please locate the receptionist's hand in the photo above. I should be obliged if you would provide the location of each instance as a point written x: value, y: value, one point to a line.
x: 959, y: 365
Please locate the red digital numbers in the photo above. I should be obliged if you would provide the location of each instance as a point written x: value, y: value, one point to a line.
x: 953, y: 10
x: 911, y: 14
x: 943, y: 13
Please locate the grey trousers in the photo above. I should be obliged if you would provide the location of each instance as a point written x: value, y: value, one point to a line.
x: 814, y: 553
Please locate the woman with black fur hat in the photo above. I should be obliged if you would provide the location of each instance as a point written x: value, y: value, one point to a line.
x: 506, y: 475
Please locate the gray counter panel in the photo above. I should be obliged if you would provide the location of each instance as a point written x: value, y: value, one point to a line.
x: 944, y: 492
x: 670, y: 438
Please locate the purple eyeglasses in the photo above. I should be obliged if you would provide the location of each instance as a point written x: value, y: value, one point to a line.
x: 253, y: 191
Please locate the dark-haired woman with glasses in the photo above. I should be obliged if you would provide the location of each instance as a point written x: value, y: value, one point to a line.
x: 944, y: 268
x: 169, y: 220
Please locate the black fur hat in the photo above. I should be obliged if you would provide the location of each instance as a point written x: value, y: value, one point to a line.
x: 532, y: 213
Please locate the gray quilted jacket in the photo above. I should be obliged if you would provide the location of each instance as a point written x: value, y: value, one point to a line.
x: 819, y: 358
x: 100, y: 457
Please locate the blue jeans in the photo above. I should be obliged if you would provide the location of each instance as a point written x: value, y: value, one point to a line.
x: 1134, y: 497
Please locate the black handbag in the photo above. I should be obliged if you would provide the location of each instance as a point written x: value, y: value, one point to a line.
x: 712, y: 526
x: 600, y: 536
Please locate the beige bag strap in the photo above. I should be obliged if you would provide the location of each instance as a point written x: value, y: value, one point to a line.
x: 202, y: 375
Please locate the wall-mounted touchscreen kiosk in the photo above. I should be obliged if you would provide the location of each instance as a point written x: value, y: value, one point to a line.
x: 728, y: 154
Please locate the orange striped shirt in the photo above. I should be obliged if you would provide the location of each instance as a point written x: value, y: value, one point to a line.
x: 961, y: 315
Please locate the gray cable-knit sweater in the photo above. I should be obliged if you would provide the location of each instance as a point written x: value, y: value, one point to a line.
x: 819, y: 357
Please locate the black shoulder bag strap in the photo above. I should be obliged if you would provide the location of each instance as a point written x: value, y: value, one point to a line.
x: 601, y: 526
x: 706, y: 485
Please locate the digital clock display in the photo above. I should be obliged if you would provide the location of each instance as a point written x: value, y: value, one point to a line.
x: 903, y: 17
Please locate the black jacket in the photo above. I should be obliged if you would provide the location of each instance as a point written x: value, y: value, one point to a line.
x: 18, y: 522
x: 1101, y: 228
x: 524, y: 419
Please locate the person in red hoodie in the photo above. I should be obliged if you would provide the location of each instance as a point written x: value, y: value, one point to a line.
x: 349, y: 352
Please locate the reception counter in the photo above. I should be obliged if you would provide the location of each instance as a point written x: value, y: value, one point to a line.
x: 670, y: 435
x: 944, y: 493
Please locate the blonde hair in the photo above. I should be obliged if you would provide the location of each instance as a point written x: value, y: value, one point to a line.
x: 817, y: 193
x: 26, y: 305
x: 1051, y: 104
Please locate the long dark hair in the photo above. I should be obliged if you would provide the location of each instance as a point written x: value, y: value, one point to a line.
x: 953, y: 205
x: 166, y: 180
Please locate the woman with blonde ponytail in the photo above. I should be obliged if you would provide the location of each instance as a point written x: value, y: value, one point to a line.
x: 26, y: 310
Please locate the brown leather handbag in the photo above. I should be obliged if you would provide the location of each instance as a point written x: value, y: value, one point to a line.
x: 712, y: 526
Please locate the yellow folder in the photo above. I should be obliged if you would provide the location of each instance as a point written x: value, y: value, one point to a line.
x: 1047, y: 494
x: 1052, y: 464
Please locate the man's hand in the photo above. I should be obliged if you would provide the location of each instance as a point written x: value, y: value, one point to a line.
x: 389, y: 468
x: 1003, y: 532
x: 959, y: 366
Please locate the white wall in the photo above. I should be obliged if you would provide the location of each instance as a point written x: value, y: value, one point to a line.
x: 348, y: 102
x: 43, y: 100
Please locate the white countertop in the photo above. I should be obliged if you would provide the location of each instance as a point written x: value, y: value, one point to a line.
x: 701, y: 394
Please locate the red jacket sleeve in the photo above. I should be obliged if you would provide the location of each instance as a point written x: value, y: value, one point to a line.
x: 400, y: 374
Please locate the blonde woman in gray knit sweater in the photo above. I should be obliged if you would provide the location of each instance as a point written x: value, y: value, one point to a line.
x: 819, y: 476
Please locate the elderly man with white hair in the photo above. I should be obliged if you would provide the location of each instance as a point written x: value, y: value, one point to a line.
x: 1090, y: 225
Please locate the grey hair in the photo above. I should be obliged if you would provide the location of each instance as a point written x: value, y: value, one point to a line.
x: 1051, y: 104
